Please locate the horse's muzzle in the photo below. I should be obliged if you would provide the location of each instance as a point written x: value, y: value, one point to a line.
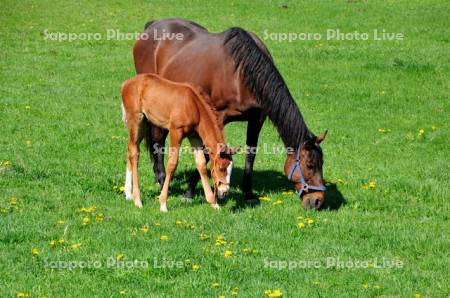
x: 313, y: 201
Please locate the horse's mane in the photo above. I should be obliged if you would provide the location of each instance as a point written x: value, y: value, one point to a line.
x: 267, y: 85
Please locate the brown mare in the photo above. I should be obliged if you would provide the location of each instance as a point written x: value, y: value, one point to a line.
x: 180, y: 109
x: 236, y: 74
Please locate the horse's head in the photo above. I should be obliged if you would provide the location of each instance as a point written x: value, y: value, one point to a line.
x: 221, y: 166
x: 304, y: 168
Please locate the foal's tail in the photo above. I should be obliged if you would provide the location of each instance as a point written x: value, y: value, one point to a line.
x: 126, y: 94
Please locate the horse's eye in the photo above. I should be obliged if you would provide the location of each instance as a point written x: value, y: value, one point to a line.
x: 309, y: 166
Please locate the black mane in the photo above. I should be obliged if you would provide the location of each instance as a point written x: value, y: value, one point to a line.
x: 267, y: 85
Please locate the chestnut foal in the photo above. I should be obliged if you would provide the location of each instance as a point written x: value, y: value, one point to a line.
x: 184, y: 112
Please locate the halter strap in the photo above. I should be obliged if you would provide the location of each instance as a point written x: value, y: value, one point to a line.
x: 305, y: 186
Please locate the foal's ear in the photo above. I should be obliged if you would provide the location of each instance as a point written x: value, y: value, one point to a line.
x: 321, y: 137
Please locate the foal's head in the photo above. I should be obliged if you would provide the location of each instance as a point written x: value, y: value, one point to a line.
x: 221, y: 166
x: 308, y: 162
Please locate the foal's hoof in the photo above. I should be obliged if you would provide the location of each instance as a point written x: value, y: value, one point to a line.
x: 163, y: 208
x: 138, y: 203
x: 215, y: 206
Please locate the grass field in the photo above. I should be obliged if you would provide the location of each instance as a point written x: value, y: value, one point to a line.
x: 63, y: 146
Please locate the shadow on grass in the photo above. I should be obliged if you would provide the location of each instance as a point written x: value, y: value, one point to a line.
x: 264, y: 181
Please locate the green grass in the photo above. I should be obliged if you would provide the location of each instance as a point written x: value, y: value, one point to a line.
x: 64, y: 98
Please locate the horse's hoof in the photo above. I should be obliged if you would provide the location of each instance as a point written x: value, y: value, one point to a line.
x: 163, y: 208
x: 128, y: 197
x: 138, y: 204
x: 189, y: 194
x: 187, y: 200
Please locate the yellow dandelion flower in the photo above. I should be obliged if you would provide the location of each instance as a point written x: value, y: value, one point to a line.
x: 277, y: 202
x: 60, y: 222
x: 23, y: 294
x: 301, y: 225
x: 76, y: 245
x: 164, y: 238
x: 287, y: 193
x: 85, y: 221
x: 157, y: 224
x: 310, y: 221
x: 204, y: 236
x: 122, y: 188
x: 88, y: 209
x: 144, y: 229
x: 53, y: 243
x: 382, y: 130
x: 28, y: 142
x: 247, y: 250
x: 120, y: 257
x: 265, y: 199
x: 114, y: 187
x: 195, y: 267
x: 227, y: 253
x: 122, y: 292
x: 114, y: 137
x: 99, y: 217
x: 13, y: 201
x: 273, y: 294
x: 215, y: 285
x: 178, y: 222
x: 221, y: 296
x: 61, y: 241
x: 365, y: 286
x: 417, y: 295
x: 421, y: 132
x: 372, y: 184
x: 220, y: 240
x: 376, y: 287
x: 35, y: 251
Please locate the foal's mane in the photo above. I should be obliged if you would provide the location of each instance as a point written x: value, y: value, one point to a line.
x: 210, y: 114
x: 267, y: 85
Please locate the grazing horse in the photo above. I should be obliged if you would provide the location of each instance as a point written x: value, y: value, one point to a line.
x: 236, y: 74
x: 180, y: 109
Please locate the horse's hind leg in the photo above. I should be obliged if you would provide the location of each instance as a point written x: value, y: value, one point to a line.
x: 135, y: 128
x: 176, y: 137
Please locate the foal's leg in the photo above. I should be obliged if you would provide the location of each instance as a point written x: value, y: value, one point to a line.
x: 194, y: 177
x: 135, y: 131
x: 176, y: 137
x: 200, y: 164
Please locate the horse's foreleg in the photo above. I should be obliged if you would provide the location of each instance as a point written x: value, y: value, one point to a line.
x: 254, y: 126
x: 193, y: 180
x: 155, y: 139
x: 174, y: 147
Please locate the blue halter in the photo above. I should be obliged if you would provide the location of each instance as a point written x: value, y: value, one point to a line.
x: 305, y: 186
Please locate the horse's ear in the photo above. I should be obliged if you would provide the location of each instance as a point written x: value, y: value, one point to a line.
x: 227, y: 151
x: 233, y: 150
x: 321, y: 137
